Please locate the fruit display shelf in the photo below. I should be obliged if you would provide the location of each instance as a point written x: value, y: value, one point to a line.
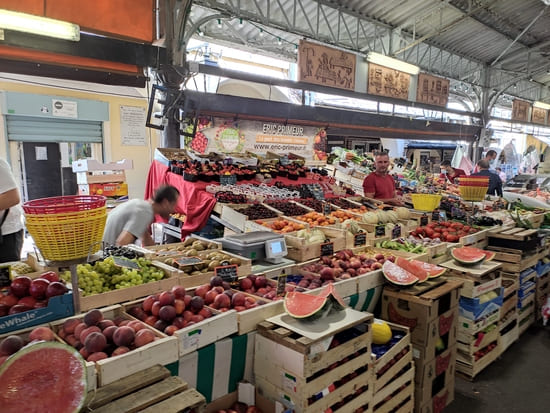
x: 311, y: 369
x: 163, y: 350
x: 300, y: 250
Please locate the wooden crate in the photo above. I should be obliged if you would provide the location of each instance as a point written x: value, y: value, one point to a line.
x: 131, y: 293
x: 255, y: 226
x: 384, y: 370
x: 394, y: 398
x: 474, y: 271
x: 524, y: 324
x: 469, y: 367
x: 472, y: 327
x: 157, y: 252
x: 164, y: 350
x: 508, y: 332
x: 300, y: 251
x: 292, y: 367
x: 440, y: 371
x: 386, y: 252
x: 469, y: 344
x: 474, y: 286
x: 247, y: 320
x: 205, y: 332
x: 510, y: 237
x: 150, y: 390
x: 475, y: 240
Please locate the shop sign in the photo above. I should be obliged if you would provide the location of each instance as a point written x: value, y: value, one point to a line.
x: 432, y: 90
x: 326, y: 66
x: 383, y: 81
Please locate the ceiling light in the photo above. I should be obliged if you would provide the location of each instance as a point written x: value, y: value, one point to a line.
x: 542, y: 105
x: 279, y: 42
x: 240, y: 22
x: 261, y: 32
x: 219, y: 23
x: 295, y: 48
x: 42, y: 26
x: 201, y: 33
x: 392, y: 63
x: 515, y: 86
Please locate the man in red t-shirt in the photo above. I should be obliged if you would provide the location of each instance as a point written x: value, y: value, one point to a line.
x: 452, y: 173
x: 379, y: 184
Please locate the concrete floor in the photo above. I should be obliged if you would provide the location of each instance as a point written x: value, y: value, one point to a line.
x: 518, y: 382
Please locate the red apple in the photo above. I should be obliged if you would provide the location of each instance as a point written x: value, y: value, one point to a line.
x: 20, y: 286
x: 55, y: 288
x: 38, y: 288
x: 51, y: 276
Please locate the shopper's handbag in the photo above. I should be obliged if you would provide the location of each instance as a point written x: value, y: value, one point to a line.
x: 2, y: 222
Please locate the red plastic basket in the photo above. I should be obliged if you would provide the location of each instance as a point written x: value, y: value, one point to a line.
x: 63, y: 204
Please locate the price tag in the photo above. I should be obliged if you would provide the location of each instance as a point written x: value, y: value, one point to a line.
x: 380, y: 230
x: 435, y: 215
x: 228, y: 179
x: 188, y: 261
x: 327, y: 248
x: 360, y: 239
x: 442, y: 216
x: 281, y: 284
x: 396, y: 231
x: 326, y: 208
x: 126, y: 263
x: 5, y: 272
x: 423, y: 220
x: 227, y: 272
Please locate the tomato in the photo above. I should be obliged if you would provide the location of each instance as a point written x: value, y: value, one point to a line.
x: 452, y: 238
x: 419, y: 230
x: 472, y: 231
x: 466, y: 228
x: 431, y: 224
x: 437, y: 235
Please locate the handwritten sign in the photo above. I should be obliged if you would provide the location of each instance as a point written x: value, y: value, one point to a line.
x: 383, y: 81
x: 326, y: 66
x: 396, y: 231
x: 5, y: 276
x: 359, y: 239
x: 435, y: 215
x: 126, y: 263
x: 380, y: 231
x: 423, y: 220
x: 327, y: 249
x: 132, y: 125
x: 227, y: 272
x: 228, y: 179
x: 432, y: 90
x: 326, y: 208
x: 182, y: 262
x: 281, y: 285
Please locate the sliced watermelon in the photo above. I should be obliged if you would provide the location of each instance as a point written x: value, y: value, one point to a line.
x: 43, y: 376
x: 397, y: 275
x: 421, y: 270
x: 306, y: 306
x: 468, y: 255
x: 337, y: 302
x: 489, y: 255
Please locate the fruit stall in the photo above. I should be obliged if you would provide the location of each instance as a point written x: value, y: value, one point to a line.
x: 215, y: 327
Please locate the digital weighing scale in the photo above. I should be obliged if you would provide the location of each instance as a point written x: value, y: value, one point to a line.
x: 266, y: 249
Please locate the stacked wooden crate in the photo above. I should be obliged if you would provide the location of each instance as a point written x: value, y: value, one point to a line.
x: 312, y: 368
x: 96, y: 178
x: 430, y: 310
x: 542, y: 287
x: 481, y: 298
x: 508, y: 324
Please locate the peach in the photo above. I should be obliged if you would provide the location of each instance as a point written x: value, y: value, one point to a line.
x: 70, y: 324
x: 178, y: 291
x: 87, y: 331
x: 148, y: 303
x: 95, y: 342
x: 136, y: 325
x: 42, y: 333
x: 210, y: 297
x: 93, y: 317
x: 124, y: 336
x: 179, y: 305
x: 109, y: 332
x: 156, y: 308
x: 120, y: 350
x: 11, y: 345
x: 144, y: 337
x: 151, y: 320
x: 170, y: 330
x: 97, y: 356
x: 166, y: 298
x: 103, y: 324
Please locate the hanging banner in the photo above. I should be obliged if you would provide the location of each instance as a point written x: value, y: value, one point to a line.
x: 432, y: 90
x: 539, y: 115
x: 326, y: 66
x: 228, y: 136
x: 520, y: 110
x: 384, y: 81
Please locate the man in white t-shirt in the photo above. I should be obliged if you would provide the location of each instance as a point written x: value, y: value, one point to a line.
x: 132, y: 220
x: 11, y: 216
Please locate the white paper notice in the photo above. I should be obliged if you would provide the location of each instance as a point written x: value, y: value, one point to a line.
x: 41, y: 153
x: 64, y: 108
x: 132, y: 125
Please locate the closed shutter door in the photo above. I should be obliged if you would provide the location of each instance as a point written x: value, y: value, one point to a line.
x: 35, y: 129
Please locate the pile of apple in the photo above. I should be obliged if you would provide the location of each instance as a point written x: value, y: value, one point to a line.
x: 171, y: 310
x: 13, y: 343
x: 98, y: 338
x: 221, y: 299
x: 27, y: 294
x: 260, y: 286
x: 345, y: 264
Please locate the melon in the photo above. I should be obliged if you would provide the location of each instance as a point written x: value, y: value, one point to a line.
x: 397, y: 275
x: 307, y: 307
x: 370, y: 218
x: 468, y: 255
x: 337, y: 302
x: 381, y: 332
x: 403, y: 212
x: 43, y: 376
x: 421, y: 270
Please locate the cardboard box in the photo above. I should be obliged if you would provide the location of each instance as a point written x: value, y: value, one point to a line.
x: 245, y: 393
x: 439, y: 401
x: 445, y: 327
x: 434, y: 376
x: 105, y: 189
x: 58, y: 307
x: 416, y: 312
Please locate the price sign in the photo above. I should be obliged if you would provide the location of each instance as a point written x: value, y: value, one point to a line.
x: 228, y: 179
x: 327, y: 248
x: 188, y: 261
x: 423, y: 220
x: 380, y: 230
x: 326, y: 208
x: 5, y: 276
x: 360, y: 239
x: 227, y: 272
x: 396, y: 231
x: 442, y: 216
x: 126, y: 263
x: 435, y: 215
x: 281, y: 284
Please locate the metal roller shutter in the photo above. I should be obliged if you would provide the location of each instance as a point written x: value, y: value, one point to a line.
x: 36, y: 129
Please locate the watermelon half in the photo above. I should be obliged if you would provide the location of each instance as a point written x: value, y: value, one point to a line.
x: 397, y: 275
x: 468, y: 255
x: 337, y: 302
x: 489, y: 255
x: 421, y: 270
x: 306, y: 306
x: 42, y: 377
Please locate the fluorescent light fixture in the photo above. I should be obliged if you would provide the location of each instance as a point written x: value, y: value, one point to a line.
x: 42, y: 26
x: 541, y: 105
x: 392, y: 63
